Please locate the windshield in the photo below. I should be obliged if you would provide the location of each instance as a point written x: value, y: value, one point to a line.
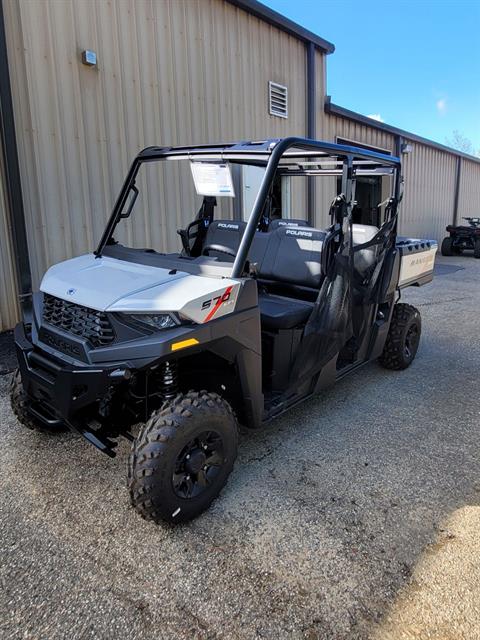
x: 167, y: 200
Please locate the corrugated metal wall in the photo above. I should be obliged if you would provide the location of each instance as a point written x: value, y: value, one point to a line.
x: 168, y: 72
x: 428, y: 201
x: 9, y: 308
x: 469, y: 195
x: 331, y: 127
x: 356, y: 132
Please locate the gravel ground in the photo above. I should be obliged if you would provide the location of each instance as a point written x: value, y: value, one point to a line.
x: 354, y: 516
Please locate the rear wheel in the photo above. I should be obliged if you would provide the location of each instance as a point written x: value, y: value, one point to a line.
x: 447, y: 246
x: 403, y: 338
x: 182, y: 457
x: 19, y: 402
x: 476, y: 248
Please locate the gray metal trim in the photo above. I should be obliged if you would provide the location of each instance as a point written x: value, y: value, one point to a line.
x: 337, y: 110
x: 276, y: 19
x: 8, y: 144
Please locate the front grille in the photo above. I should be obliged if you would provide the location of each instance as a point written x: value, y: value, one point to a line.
x: 86, y: 323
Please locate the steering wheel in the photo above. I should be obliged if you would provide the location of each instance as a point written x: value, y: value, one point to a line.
x: 219, y: 248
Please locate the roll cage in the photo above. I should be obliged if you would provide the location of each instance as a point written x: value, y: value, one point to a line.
x: 281, y: 155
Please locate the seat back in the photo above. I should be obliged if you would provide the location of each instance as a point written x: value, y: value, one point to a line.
x: 227, y: 233
x: 364, y: 258
x: 293, y: 256
x: 289, y: 254
x: 363, y: 233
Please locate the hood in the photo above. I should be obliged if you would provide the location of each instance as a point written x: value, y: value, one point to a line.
x: 108, y: 284
x: 100, y: 282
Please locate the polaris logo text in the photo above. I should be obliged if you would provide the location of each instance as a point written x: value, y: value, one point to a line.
x: 224, y: 225
x: 294, y: 232
x: 61, y: 345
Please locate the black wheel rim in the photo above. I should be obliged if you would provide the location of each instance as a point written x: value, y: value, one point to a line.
x: 411, y: 341
x: 198, y: 465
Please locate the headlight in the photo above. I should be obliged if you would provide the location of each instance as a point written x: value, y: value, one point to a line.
x: 157, y: 321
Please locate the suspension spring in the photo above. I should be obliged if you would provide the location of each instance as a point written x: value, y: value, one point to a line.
x: 169, y: 379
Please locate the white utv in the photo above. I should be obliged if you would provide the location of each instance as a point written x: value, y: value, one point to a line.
x: 247, y: 320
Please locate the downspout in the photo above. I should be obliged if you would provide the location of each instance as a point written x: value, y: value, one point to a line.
x: 311, y: 124
x: 13, y: 187
x: 398, y: 146
x: 456, y: 196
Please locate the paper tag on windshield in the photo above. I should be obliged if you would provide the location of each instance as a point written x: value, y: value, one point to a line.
x: 212, y: 179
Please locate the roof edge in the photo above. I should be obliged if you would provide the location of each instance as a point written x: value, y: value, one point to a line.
x: 276, y: 19
x: 337, y: 110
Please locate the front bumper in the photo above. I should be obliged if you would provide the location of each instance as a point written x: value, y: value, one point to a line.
x: 59, y: 391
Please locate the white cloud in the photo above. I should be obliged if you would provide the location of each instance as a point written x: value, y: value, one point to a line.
x: 442, y: 106
x: 376, y: 116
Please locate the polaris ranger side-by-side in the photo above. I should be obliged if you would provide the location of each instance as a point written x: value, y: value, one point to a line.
x: 247, y: 320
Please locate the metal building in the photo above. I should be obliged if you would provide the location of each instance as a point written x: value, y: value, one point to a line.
x: 169, y: 72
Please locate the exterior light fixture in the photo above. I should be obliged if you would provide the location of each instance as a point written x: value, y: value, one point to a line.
x: 89, y: 58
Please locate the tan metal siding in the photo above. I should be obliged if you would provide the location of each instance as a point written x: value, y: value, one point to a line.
x: 469, y: 194
x: 332, y: 127
x: 9, y: 308
x: 168, y: 72
x: 429, y: 174
x: 427, y: 205
x: 325, y: 188
x: 356, y: 132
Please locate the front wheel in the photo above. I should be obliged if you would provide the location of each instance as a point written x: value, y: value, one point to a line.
x: 447, y: 246
x: 403, y: 338
x: 476, y: 248
x: 182, y: 457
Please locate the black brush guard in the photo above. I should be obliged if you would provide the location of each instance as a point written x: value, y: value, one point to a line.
x: 60, y: 391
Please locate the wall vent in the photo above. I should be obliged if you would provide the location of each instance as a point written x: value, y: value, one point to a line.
x: 277, y: 100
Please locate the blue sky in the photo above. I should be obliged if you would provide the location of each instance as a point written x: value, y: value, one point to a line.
x: 416, y: 64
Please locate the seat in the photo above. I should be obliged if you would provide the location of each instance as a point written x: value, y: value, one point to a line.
x: 291, y: 261
x: 293, y: 257
x: 278, y: 312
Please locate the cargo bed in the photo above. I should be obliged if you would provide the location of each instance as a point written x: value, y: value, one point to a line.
x: 417, y: 260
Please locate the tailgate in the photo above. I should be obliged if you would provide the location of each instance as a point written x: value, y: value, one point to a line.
x: 417, y: 260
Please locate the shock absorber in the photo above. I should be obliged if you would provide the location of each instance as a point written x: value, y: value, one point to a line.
x: 169, y: 379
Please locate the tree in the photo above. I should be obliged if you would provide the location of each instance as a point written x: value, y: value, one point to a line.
x: 462, y: 143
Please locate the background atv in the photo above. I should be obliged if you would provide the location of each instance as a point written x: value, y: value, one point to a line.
x: 247, y: 320
x: 463, y: 237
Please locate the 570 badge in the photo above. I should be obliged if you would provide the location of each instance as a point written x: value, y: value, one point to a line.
x: 215, y: 303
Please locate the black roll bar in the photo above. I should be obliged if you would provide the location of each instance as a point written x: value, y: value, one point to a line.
x: 272, y: 149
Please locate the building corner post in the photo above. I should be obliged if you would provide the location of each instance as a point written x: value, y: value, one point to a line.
x: 13, y: 187
x: 311, y: 123
x: 456, y: 196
